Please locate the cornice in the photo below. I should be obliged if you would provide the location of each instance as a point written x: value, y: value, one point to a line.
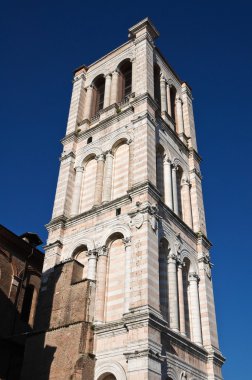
x: 59, y: 221
x: 56, y: 243
x: 106, y: 122
x: 171, y: 216
x: 195, y: 155
x: 173, y: 135
x: 71, y: 137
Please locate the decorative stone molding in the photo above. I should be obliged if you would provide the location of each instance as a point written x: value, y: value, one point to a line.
x: 113, y: 368
x: 137, y: 215
x: 127, y: 242
x: 102, y: 251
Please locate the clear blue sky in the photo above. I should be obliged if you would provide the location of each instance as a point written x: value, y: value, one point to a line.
x: 209, y: 45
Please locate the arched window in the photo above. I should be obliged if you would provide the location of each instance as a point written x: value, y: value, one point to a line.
x: 88, y: 185
x: 80, y: 255
x: 125, y: 83
x: 160, y: 169
x: 99, y: 89
x: 157, y: 96
x: 115, y: 279
x: 6, y: 274
x: 173, y: 93
x: 107, y: 376
x: 179, y: 184
x: 27, y: 303
x: 163, y: 278
x: 186, y: 268
x: 120, y: 171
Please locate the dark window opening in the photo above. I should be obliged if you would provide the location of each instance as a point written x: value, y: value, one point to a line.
x: 126, y: 71
x: 89, y: 140
x: 27, y: 303
x: 118, y: 211
x: 157, y: 85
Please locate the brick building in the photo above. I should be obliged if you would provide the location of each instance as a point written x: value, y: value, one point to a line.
x: 20, y: 271
x: 127, y: 287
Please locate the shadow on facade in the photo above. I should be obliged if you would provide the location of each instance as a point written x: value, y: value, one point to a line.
x: 61, y: 325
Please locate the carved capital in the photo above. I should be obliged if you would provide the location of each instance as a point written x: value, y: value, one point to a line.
x: 79, y: 169
x: 102, y: 251
x: 127, y: 242
x: 193, y: 277
x: 100, y: 157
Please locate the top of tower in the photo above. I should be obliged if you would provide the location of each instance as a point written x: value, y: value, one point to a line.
x: 142, y: 27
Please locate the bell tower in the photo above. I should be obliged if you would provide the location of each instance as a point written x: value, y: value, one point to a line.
x: 127, y: 287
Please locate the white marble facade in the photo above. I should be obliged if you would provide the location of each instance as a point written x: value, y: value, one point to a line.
x: 129, y: 206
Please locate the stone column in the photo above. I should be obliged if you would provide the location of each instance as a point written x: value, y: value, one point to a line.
x: 175, y: 190
x: 168, y: 95
x: 167, y: 183
x: 88, y: 103
x: 99, y: 179
x: 180, y: 122
x: 133, y: 83
x: 127, y: 244
x: 107, y: 90
x: 108, y: 177
x: 173, y: 293
x: 163, y: 94
x: 77, y: 190
x: 181, y: 299
x: 187, y: 208
x: 131, y: 161
x: 101, y: 284
x: 92, y: 258
x: 195, y: 308
x: 114, y: 87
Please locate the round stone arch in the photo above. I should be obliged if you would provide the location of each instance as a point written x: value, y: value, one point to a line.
x: 165, y: 148
x: 91, y: 77
x: 178, y: 162
x: 172, y: 374
x: 86, y: 154
x: 89, y: 243
x: 112, y: 368
x: 190, y: 256
x: 116, y: 140
x: 120, y: 228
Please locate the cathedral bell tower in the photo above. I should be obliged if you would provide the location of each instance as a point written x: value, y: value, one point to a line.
x: 127, y: 287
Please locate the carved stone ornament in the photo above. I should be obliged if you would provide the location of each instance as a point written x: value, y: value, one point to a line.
x: 137, y: 220
x: 153, y: 217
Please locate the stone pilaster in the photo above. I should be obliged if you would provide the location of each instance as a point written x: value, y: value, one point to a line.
x: 187, y: 208
x: 101, y: 284
x: 181, y: 299
x: 77, y: 190
x: 76, y: 111
x: 168, y: 183
x: 107, y: 91
x: 92, y: 259
x: 106, y: 197
x: 114, y: 87
x: 99, y: 180
x: 127, y: 244
x: 173, y: 293
x: 175, y: 189
x: 195, y: 308
x: 180, y: 122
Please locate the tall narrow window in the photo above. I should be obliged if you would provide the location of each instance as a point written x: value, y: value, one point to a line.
x: 27, y: 303
x: 157, y: 85
x: 126, y: 79
x: 121, y: 171
x: 163, y: 278
x: 115, y: 280
x: 173, y: 102
x: 160, y: 170
x: 88, y: 185
x: 186, y: 268
x: 179, y: 183
x: 99, y: 89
